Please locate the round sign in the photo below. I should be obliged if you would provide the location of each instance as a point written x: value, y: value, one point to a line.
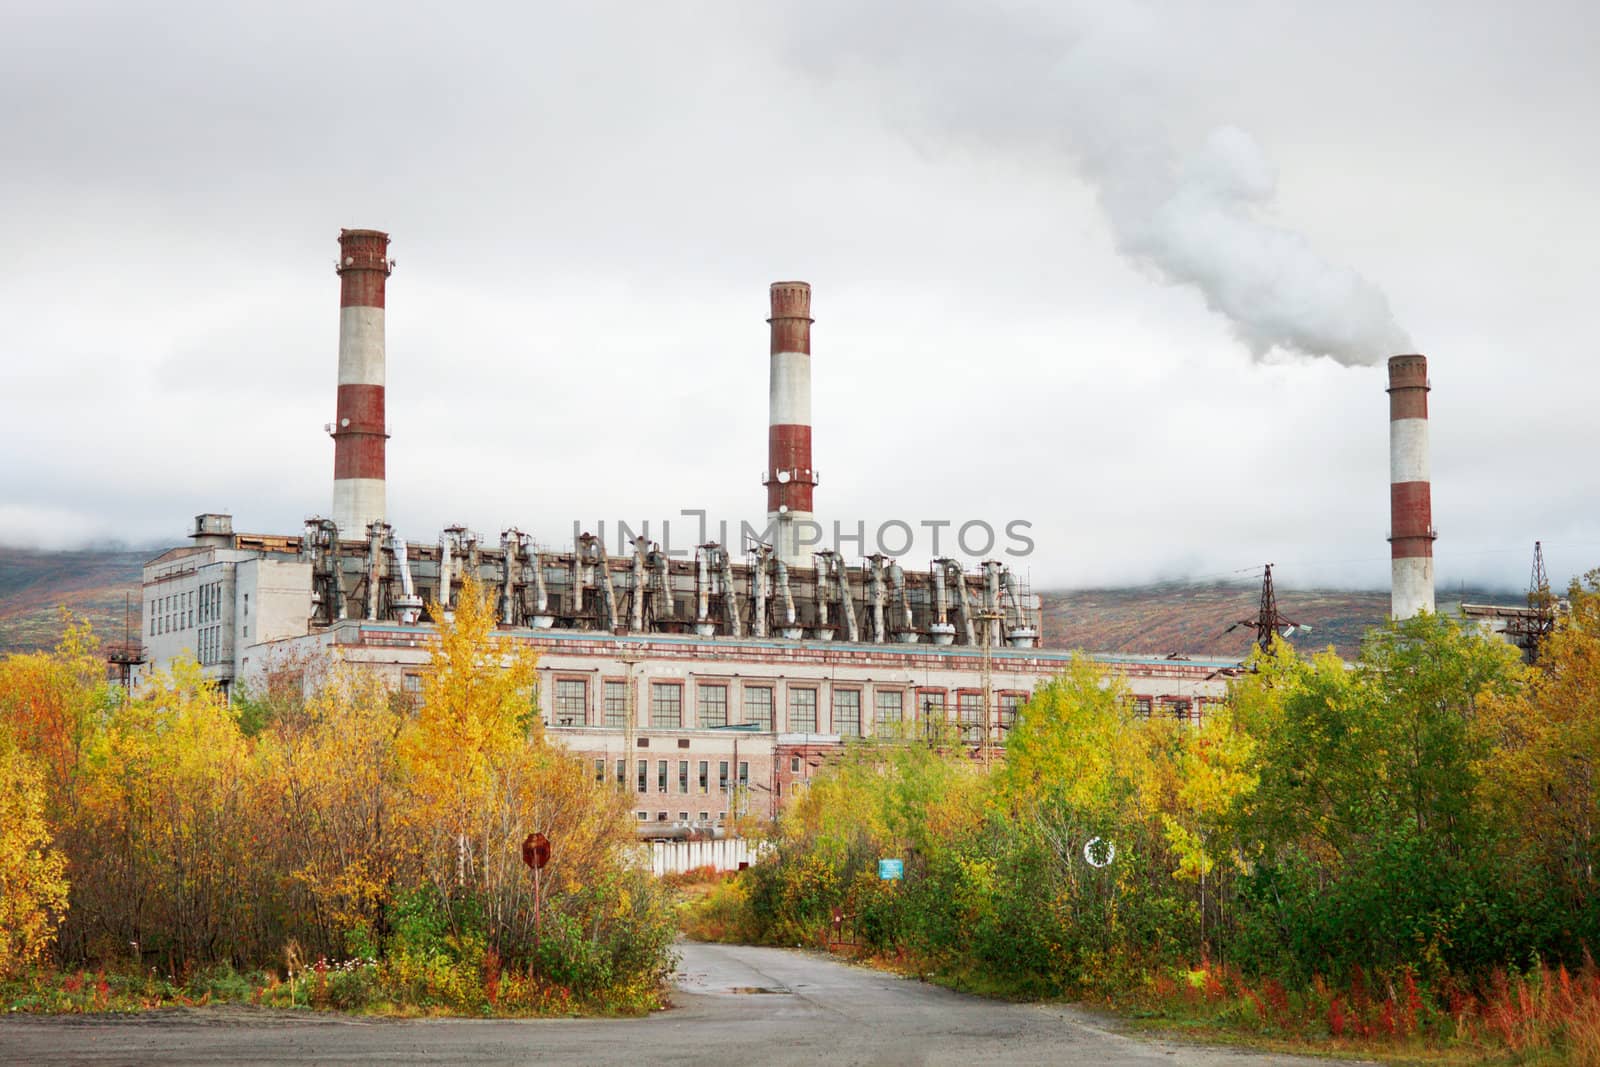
x: 536, y: 851
x: 1098, y: 852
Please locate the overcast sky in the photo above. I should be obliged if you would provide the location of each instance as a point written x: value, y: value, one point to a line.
x: 1068, y: 267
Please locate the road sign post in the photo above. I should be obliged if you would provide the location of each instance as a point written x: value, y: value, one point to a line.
x: 536, y: 853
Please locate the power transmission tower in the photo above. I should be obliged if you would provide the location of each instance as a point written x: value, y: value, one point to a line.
x: 1268, y: 620
x: 1530, y: 629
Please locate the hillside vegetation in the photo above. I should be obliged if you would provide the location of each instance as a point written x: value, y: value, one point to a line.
x: 94, y: 583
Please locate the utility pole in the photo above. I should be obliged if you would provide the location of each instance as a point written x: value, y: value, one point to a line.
x: 988, y: 618
x: 1268, y: 620
x: 630, y: 722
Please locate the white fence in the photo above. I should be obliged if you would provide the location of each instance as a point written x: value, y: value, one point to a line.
x: 722, y: 854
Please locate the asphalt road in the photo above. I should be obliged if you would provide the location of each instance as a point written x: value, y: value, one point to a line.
x: 733, y: 1005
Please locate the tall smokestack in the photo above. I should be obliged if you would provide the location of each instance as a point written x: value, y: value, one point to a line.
x: 360, y: 435
x: 1410, y: 491
x: 790, y: 477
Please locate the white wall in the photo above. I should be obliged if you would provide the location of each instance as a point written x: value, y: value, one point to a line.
x: 722, y: 854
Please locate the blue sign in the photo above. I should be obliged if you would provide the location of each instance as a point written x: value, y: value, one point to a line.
x: 891, y: 870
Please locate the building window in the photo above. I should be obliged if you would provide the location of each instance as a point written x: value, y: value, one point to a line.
x: 616, y: 694
x: 847, y: 712
x: 794, y: 764
x: 1010, y: 704
x: 891, y: 707
x: 683, y: 816
x: 705, y: 816
x: 969, y: 707
x: 661, y: 816
x: 622, y: 772
x: 722, y: 776
x: 644, y: 776
x: 758, y: 705
x: 666, y: 705
x: 744, y: 775
x: 600, y: 770
x: 713, y: 708
x: 683, y: 776
x: 661, y: 776
x: 803, y: 711
x: 411, y: 690
x: 1141, y: 707
x: 705, y: 776
x: 247, y: 605
x: 572, y: 701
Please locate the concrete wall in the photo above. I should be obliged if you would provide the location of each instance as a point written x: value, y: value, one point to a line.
x: 722, y: 854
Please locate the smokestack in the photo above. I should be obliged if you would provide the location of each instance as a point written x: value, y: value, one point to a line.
x: 1411, y: 533
x: 360, y: 435
x: 790, y: 477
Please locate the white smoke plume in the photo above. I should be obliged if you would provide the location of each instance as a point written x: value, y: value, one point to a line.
x: 1092, y: 80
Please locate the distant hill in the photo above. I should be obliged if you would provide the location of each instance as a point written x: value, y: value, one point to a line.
x: 1153, y: 619
x: 1193, y: 618
x: 91, y: 582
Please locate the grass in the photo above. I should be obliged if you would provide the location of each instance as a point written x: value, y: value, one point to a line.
x: 402, y: 986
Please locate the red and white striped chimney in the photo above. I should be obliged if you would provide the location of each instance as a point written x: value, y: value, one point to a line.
x: 1411, y: 533
x: 360, y: 434
x: 790, y: 477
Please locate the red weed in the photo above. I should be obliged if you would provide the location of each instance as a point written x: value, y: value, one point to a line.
x: 1336, y: 1019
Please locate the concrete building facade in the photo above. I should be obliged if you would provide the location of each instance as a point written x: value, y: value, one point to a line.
x: 696, y: 728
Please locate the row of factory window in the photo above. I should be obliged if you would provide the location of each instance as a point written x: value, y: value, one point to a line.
x: 848, y: 716
x: 187, y: 609
x: 700, y: 783
x: 683, y: 816
x: 210, y: 645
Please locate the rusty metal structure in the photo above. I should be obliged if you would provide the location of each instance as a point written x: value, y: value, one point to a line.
x: 382, y: 578
x: 1529, y: 629
x: 1269, y: 621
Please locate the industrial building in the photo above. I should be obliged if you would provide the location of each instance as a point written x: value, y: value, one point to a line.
x: 696, y: 684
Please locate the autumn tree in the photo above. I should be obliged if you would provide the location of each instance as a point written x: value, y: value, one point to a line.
x: 330, y: 800
x: 167, y: 802
x: 33, y: 885
x: 53, y: 702
x: 480, y: 775
x: 1545, y: 766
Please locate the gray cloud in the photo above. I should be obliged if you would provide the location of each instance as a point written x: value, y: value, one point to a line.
x: 588, y: 203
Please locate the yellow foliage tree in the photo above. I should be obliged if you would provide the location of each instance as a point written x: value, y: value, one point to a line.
x: 53, y: 703
x: 481, y: 776
x: 168, y: 800
x: 1545, y: 764
x: 332, y: 791
x: 33, y: 883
